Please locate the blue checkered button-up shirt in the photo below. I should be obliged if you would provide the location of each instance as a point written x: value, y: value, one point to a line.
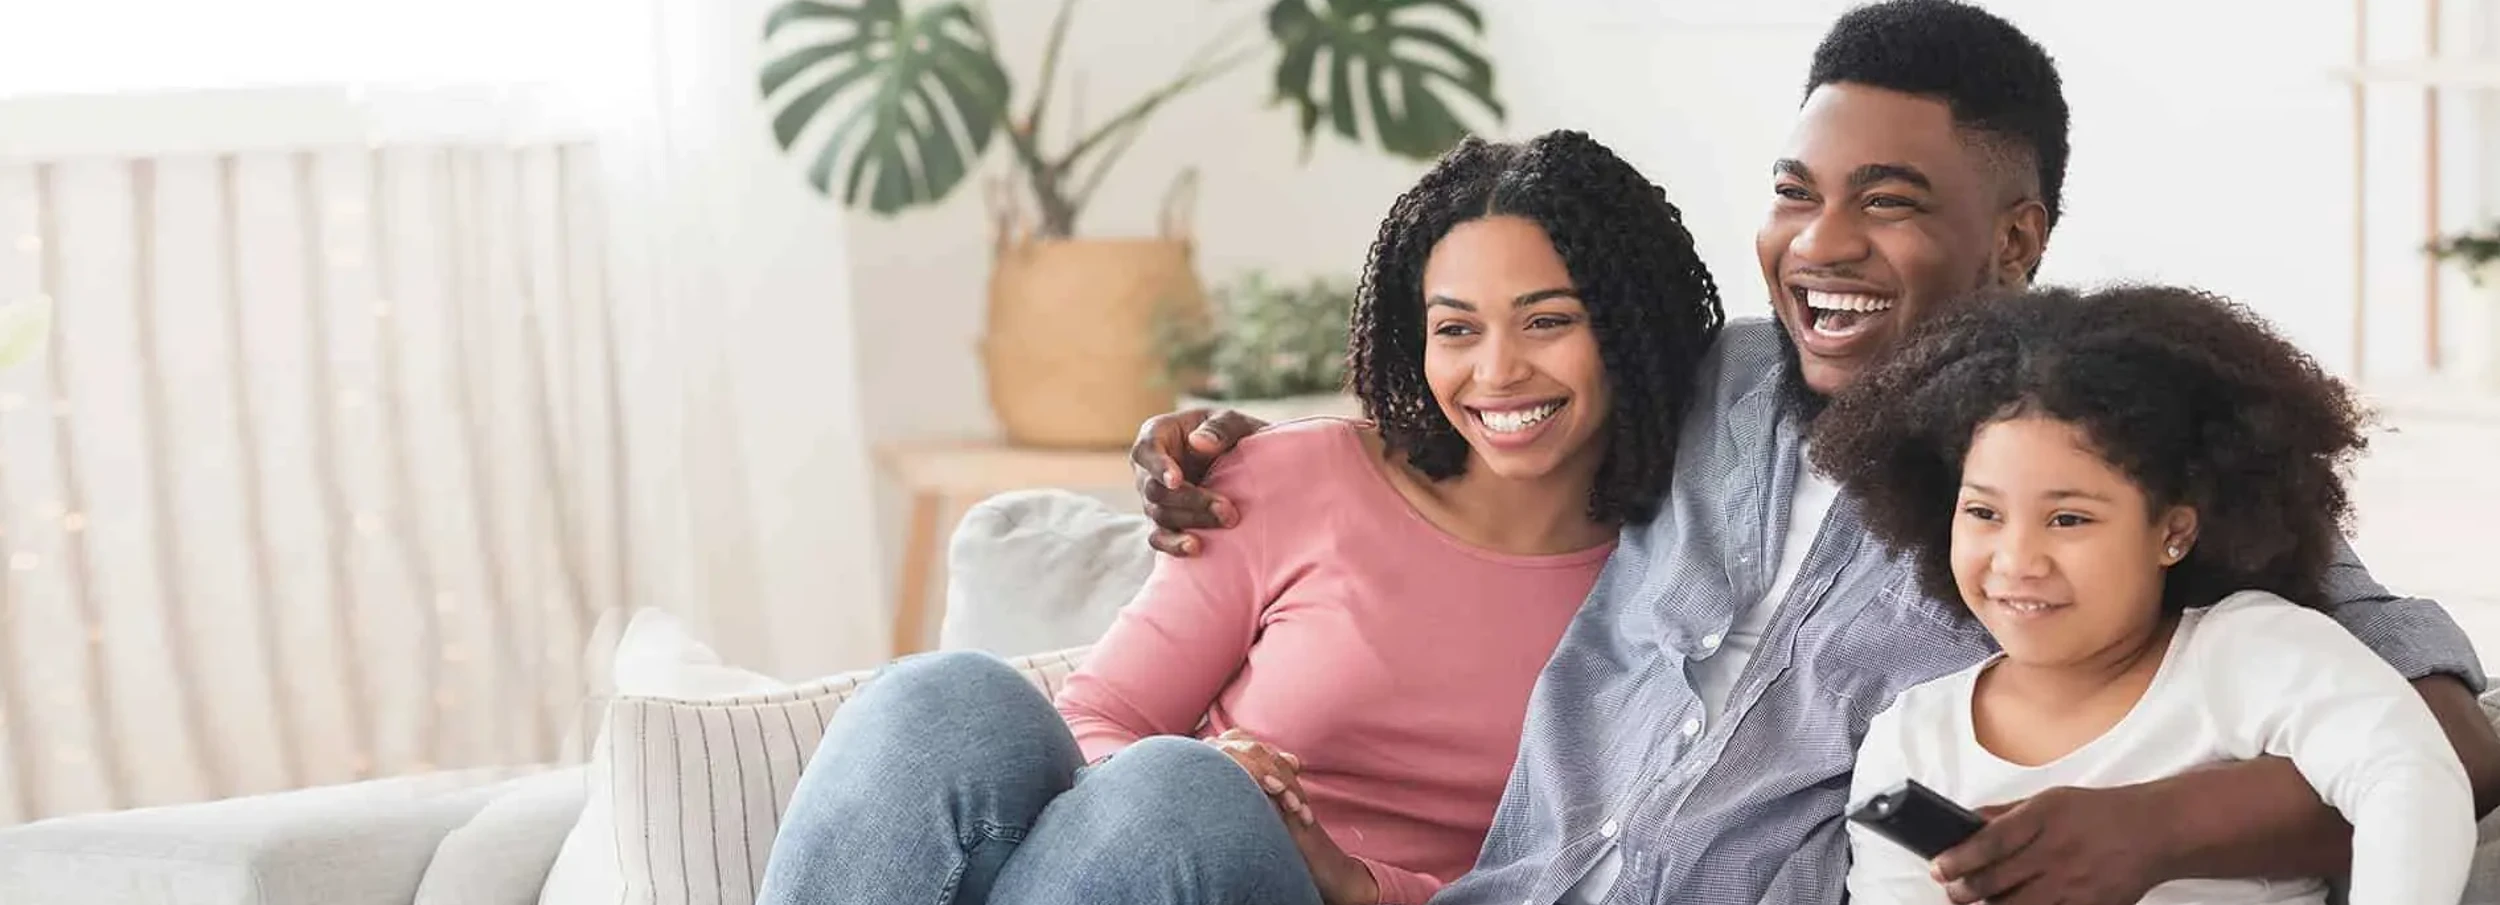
x: 1617, y: 750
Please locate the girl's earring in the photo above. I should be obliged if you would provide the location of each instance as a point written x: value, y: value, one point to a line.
x: 2174, y: 553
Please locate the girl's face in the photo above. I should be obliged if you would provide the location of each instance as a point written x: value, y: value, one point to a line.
x: 2057, y: 551
x: 1510, y: 353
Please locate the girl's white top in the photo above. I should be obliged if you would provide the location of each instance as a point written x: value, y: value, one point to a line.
x: 2251, y: 675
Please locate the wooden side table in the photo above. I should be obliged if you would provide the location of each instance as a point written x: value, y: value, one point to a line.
x: 948, y: 474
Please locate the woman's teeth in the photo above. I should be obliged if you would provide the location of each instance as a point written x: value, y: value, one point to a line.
x: 1515, y: 420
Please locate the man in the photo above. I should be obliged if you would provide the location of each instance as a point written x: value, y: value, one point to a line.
x: 1692, y: 737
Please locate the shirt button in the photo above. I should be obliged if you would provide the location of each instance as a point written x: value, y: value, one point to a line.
x: 1692, y: 728
x: 1609, y: 829
x: 1710, y: 641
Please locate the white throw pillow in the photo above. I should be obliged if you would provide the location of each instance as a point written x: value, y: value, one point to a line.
x: 685, y: 796
x: 695, y: 790
x: 655, y: 657
x: 1042, y: 569
x: 658, y: 657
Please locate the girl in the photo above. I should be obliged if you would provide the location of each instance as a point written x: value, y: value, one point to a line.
x: 1323, y: 707
x: 2137, y: 492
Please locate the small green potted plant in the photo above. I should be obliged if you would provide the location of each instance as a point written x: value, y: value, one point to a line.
x: 2477, y: 252
x: 1269, y: 348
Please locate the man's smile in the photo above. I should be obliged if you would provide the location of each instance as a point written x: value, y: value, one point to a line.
x: 1829, y: 319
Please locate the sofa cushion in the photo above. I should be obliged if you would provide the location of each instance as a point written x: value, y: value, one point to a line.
x: 502, y: 855
x: 353, y: 844
x: 1035, y: 570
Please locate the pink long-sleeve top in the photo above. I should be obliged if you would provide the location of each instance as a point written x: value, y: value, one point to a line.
x: 1338, y: 624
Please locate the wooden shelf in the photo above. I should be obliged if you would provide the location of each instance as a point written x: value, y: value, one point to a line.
x: 2434, y: 72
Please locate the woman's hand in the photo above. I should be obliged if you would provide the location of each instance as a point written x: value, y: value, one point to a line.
x: 1342, y: 880
x: 1277, y: 772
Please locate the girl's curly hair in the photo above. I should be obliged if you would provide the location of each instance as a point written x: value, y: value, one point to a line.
x: 1652, y: 304
x: 2196, y: 399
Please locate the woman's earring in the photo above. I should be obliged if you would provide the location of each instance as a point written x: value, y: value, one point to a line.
x: 2174, y: 553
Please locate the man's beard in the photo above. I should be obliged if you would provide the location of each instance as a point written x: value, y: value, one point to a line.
x: 1800, y: 397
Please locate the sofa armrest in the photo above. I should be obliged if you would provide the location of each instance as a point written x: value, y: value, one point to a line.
x: 364, y: 843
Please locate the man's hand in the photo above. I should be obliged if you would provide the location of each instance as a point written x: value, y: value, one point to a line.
x: 2478, y: 748
x: 1170, y: 457
x: 2066, y: 846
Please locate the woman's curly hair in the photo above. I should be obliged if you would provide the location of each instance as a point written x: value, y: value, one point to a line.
x: 2190, y: 395
x: 1651, y: 302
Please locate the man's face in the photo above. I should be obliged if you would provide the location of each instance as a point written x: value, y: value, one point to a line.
x: 1883, y: 213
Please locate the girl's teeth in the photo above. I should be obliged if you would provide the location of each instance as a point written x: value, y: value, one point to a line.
x: 1511, y: 422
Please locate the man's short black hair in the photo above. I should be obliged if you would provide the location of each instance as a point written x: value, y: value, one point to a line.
x: 1997, y: 80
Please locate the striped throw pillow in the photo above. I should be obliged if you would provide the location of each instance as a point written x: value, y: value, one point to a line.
x: 686, y: 796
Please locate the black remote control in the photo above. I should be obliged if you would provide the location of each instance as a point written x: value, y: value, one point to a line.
x: 1918, y: 818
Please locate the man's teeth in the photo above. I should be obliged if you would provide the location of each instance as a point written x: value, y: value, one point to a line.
x: 1516, y: 420
x: 1839, y: 301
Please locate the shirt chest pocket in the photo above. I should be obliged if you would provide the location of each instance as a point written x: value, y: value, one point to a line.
x: 1864, y: 650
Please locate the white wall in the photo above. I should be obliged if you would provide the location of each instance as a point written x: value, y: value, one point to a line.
x: 2203, y: 154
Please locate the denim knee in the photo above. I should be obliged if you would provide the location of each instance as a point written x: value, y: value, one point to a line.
x: 954, y: 674
x: 1172, y: 764
x: 1195, y: 790
x: 940, y: 712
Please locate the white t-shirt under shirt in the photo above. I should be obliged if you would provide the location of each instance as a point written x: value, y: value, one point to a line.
x: 2251, y: 675
x: 1714, y: 674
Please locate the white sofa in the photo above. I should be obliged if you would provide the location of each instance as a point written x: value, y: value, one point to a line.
x: 489, y: 837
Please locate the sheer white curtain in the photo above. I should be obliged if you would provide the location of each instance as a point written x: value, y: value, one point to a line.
x: 361, y: 405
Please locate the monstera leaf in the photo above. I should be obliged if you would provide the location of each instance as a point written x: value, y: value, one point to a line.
x: 919, y: 94
x: 1403, y: 53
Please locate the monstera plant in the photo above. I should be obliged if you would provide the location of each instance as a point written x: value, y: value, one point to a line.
x: 918, y: 95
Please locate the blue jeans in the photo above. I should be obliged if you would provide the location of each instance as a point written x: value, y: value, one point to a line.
x: 951, y: 779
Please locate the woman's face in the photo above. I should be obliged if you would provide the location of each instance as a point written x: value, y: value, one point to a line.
x: 1510, y: 353
x: 2055, y: 549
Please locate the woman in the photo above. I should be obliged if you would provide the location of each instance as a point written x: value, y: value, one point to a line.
x: 1323, y: 708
